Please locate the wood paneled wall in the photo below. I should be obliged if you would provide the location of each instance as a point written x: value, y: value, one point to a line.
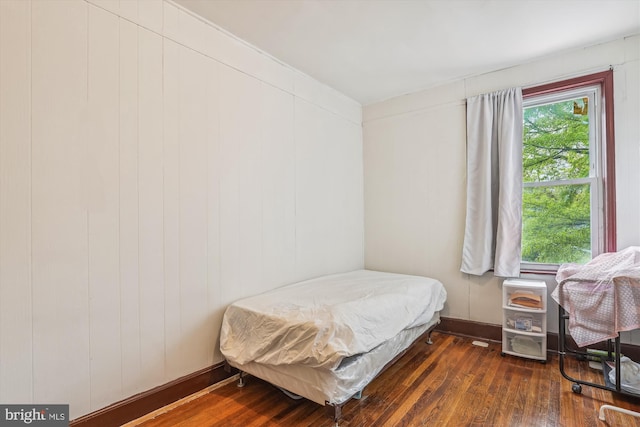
x: 152, y: 170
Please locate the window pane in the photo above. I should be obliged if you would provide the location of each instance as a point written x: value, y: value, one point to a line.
x: 556, y: 224
x: 556, y: 141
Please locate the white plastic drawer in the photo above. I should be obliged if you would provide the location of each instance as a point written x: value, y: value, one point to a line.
x: 525, y: 345
x: 525, y: 321
x: 525, y: 298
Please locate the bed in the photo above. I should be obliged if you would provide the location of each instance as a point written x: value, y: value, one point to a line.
x: 325, y: 339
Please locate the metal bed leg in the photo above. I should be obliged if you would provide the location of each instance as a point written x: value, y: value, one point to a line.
x: 335, y: 412
x: 429, y: 339
x: 241, y: 382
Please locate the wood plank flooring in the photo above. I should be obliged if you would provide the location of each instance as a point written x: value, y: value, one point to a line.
x: 449, y: 383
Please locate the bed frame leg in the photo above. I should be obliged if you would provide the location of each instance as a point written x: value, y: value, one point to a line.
x: 335, y: 412
x: 241, y: 382
x: 429, y: 339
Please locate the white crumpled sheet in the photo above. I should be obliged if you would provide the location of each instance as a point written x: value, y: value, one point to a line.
x: 602, y: 296
x: 318, y: 322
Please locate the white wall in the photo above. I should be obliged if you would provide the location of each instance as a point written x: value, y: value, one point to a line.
x: 152, y: 170
x: 415, y: 183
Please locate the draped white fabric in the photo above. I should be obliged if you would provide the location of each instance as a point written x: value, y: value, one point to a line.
x: 494, y: 184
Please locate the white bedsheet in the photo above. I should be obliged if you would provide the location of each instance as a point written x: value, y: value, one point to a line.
x: 336, y: 386
x: 320, y: 321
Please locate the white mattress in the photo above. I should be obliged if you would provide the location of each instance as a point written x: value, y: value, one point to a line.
x: 327, y: 386
x: 319, y: 322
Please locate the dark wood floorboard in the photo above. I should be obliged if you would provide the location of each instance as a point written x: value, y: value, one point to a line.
x: 449, y: 383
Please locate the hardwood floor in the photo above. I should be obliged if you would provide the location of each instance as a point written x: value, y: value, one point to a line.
x: 449, y: 383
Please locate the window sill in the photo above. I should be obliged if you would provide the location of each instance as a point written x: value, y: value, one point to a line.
x: 539, y: 269
x: 539, y: 272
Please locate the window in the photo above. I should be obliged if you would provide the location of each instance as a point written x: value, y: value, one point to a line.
x: 568, y: 210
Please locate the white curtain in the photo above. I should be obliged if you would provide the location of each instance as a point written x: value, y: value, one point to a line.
x: 494, y: 184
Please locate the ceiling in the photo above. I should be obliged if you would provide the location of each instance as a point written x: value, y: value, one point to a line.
x: 372, y: 50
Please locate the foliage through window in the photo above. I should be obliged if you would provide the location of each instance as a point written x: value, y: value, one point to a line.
x: 564, y: 165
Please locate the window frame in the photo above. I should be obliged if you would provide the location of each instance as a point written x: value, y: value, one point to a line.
x: 603, y: 80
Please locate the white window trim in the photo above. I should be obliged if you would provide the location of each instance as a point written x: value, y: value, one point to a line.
x: 596, y: 167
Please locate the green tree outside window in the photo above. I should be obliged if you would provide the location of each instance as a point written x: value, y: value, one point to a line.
x: 556, y: 218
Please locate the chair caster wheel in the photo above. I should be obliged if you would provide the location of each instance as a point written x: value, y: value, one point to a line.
x: 576, y: 388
